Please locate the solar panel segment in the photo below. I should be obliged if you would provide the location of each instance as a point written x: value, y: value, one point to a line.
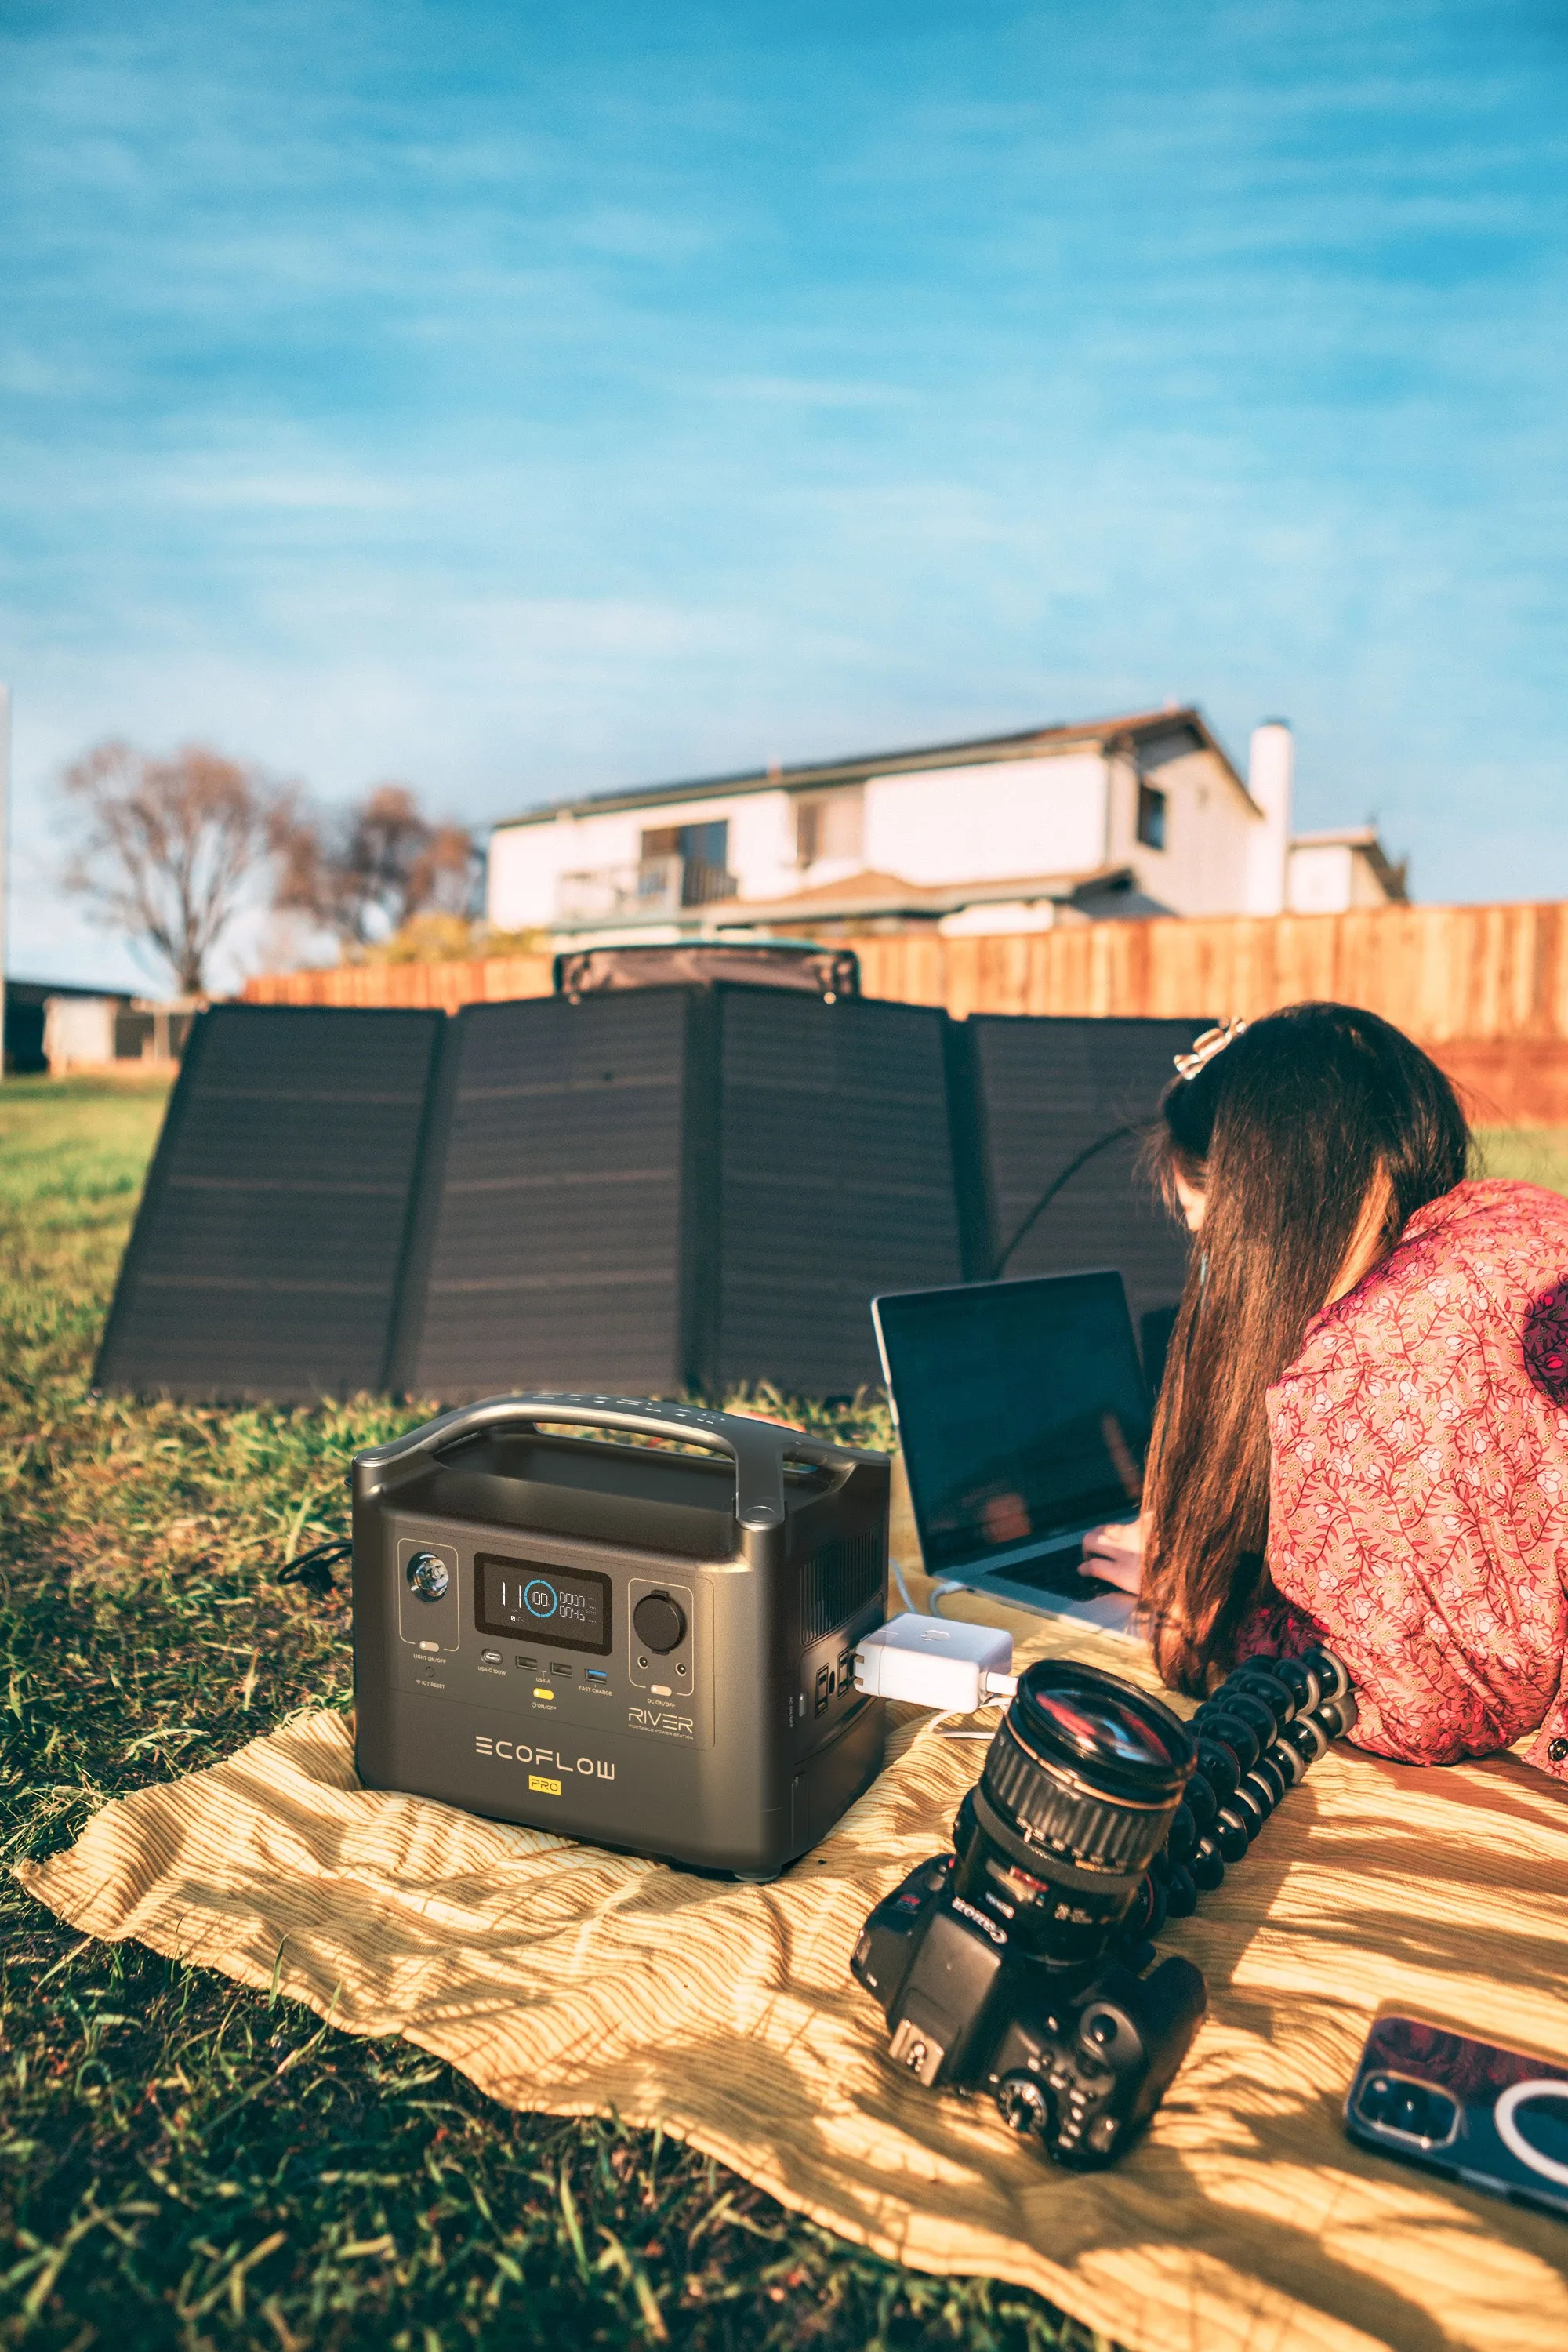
x: 268, y: 1252
x: 1044, y: 1091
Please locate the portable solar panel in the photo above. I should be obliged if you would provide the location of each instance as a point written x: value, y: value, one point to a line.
x: 684, y: 1187
x: 1041, y: 1094
x: 269, y: 1246
x: 648, y: 1190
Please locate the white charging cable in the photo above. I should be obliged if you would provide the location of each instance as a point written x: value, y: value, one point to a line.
x: 938, y: 1662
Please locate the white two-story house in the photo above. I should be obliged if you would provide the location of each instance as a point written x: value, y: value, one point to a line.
x: 1140, y: 814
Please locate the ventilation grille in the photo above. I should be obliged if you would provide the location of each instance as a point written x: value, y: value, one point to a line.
x: 840, y: 1578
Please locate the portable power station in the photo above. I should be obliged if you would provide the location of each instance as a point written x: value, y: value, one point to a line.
x: 642, y: 1646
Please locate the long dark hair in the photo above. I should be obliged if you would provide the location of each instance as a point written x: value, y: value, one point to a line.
x: 1287, y: 1132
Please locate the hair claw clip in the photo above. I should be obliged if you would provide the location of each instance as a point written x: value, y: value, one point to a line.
x: 1204, y: 1048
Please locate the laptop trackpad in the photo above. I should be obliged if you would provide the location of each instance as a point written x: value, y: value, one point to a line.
x: 1058, y: 1572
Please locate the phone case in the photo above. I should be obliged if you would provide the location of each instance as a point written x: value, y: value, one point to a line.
x: 1493, y: 2118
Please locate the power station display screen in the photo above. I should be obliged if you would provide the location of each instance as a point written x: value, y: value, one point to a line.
x: 561, y: 1608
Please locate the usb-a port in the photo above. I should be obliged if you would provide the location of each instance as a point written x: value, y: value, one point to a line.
x: 594, y: 1674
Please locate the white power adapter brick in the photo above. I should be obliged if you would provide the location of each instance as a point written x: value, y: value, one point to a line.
x: 936, y: 1662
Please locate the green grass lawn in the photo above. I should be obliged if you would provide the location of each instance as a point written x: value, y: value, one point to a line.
x: 184, y: 2163
x: 1537, y: 1154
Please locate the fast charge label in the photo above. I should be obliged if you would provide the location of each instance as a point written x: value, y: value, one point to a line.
x: 550, y: 1765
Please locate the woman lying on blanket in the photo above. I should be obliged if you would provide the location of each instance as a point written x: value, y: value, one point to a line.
x: 1362, y: 1435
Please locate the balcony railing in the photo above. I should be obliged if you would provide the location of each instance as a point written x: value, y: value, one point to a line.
x: 649, y: 891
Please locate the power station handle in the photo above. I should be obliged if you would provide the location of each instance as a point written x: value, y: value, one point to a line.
x: 758, y: 1449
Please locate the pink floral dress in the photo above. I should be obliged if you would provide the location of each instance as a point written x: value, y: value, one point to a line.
x: 1418, y: 1496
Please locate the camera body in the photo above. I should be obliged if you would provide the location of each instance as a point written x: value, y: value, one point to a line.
x: 1077, y: 2065
x: 1017, y: 1963
x: 647, y: 1648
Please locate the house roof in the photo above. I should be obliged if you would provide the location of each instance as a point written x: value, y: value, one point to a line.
x: 869, y: 893
x: 1151, y: 736
x: 1393, y: 877
x: 33, y: 992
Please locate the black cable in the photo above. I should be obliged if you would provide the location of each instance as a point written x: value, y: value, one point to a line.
x: 313, y: 1569
x: 1054, y: 1186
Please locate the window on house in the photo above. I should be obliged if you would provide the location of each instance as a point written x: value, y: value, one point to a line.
x: 704, y: 852
x: 828, y: 824
x: 1150, y: 816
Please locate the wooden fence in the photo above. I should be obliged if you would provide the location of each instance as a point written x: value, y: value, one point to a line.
x: 1484, y: 989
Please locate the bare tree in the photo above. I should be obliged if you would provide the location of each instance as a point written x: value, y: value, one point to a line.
x: 363, y: 871
x: 166, y: 846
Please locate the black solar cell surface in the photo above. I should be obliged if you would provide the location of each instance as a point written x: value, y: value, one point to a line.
x: 837, y: 1182
x: 268, y: 1249
x: 1048, y: 1089
x: 550, y: 1248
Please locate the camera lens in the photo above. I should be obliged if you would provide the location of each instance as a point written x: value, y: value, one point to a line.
x: 1077, y: 1793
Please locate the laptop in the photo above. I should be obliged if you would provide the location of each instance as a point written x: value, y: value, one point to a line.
x: 1024, y: 1417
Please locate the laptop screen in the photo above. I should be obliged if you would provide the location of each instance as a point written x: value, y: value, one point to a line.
x: 1021, y: 1408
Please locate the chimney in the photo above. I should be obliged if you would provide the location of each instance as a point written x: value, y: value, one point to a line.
x: 1271, y: 762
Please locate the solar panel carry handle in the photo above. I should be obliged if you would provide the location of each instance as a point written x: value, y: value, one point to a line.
x: 758, y: 1449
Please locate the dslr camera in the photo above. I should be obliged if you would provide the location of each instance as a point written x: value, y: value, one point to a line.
x: 1016, y: 1965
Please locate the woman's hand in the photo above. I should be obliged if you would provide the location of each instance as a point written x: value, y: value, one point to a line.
x: 1115, y: 1555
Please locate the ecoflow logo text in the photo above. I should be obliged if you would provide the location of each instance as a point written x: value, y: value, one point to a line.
x: 541, y: 1782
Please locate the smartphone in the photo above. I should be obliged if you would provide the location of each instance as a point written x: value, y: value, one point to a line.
x: 1493, y: 2118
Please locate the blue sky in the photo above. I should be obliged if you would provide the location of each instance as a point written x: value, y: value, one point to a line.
x: 524, y: 399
